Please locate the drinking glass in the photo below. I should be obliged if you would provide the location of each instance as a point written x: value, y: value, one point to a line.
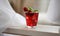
x: 31, y: 19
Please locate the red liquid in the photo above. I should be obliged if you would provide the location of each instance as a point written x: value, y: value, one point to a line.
x: 31, y: 19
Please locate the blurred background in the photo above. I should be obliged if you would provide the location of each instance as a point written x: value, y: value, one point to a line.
x: 41, y: 5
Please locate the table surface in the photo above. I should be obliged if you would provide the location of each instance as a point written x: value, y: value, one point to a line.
x: 21, y: 29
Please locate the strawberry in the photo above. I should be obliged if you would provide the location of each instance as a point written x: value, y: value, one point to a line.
x: 29, y: 9
x: 25, y: 9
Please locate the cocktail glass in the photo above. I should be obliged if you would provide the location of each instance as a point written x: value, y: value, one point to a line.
x: 31, y: 19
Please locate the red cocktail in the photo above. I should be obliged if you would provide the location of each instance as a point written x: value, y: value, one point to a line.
x: 31, y: 19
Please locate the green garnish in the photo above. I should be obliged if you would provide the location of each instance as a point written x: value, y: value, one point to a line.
x: 35, y: 10
x: 30, y: 8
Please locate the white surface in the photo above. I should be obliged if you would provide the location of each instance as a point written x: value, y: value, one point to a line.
x: 5, y: 18
x: 42, y: 28
x: 53, y: 13
x: 39, y: 30
x: 10, y: 35
x: 42, y: 19
x: 8, y: 16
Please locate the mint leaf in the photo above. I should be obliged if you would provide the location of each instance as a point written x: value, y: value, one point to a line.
x: 30, y: 8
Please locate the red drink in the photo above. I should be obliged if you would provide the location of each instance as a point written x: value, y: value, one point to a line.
x: 31, y: 19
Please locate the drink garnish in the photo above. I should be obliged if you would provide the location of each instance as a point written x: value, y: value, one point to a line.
x: 29, y: 10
